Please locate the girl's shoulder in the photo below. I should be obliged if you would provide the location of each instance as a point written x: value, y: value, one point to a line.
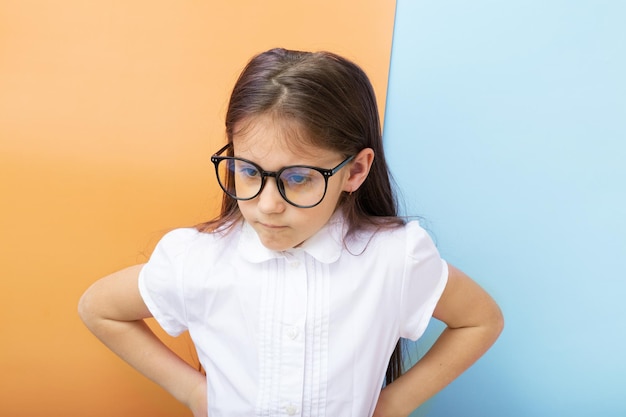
x: 394, y: 239
x: 183, y: 240
x: 180, y: 236
x: 406, y: 230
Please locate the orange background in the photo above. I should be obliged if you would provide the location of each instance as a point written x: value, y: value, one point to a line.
x: 109, y: 112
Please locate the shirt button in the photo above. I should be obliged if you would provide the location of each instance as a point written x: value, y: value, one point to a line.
x: 293, y: 333
x: 294, y: 264
x: 291, y: 410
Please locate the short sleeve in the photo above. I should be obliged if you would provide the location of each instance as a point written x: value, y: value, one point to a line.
x: 161, y: 282
x: 425, y: 277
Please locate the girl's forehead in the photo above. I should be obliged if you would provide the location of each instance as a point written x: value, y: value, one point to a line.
x: 268, y: 133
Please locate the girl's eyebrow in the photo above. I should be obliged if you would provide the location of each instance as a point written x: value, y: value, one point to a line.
x: 282, y: 166
x: 315, y: 165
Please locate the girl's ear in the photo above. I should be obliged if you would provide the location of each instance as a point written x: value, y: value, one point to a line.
x: 359, y: 169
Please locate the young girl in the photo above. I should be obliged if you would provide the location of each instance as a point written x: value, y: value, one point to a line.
x: 297, y: 294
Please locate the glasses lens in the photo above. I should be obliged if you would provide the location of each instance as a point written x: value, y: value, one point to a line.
x: 302, y: 186
x: 238, y: 178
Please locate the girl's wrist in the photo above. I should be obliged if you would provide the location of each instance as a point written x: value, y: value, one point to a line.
x: 196, y: 399
x: 388, y: 405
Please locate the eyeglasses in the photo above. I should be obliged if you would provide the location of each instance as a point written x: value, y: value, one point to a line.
x: 301, y: 186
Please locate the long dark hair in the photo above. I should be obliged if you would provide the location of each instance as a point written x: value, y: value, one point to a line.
x: 333, y: 101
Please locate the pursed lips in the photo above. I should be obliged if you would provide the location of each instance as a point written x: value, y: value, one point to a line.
x: 271, y: 226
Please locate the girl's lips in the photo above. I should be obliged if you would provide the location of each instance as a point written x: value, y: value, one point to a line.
x: 271, y: 226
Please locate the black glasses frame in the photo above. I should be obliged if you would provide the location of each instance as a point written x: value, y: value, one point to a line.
x: 326, y: 173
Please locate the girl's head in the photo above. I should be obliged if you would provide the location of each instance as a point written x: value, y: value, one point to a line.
x: 314, y: 104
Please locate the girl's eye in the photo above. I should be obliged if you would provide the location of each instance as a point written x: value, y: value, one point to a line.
x: 247, y: 171
x: 298, y: 178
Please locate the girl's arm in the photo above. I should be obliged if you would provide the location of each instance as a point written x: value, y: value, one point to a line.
x: 113, y: 310
x: 474, y: 322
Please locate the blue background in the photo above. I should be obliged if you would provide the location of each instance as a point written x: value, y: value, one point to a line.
x: 505, y: 128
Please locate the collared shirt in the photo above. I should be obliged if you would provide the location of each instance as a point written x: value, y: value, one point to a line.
x: 304, y: 332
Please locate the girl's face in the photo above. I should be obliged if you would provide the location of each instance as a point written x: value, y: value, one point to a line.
x: 266, y: 141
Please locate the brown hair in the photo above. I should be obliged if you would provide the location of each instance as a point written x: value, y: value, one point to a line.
x: 332, y: 99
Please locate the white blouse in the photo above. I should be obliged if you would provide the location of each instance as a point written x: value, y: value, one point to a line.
x: 304, y: 332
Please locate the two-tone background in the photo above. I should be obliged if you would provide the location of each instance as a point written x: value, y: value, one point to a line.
x: 505, y: 126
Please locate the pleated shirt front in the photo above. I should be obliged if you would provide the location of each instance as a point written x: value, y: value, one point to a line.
x: 305, y: 332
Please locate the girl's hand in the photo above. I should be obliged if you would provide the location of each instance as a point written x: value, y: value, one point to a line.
x: 197, y: 401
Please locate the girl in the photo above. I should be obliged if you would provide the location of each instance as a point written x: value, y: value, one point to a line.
x: 297, y: 294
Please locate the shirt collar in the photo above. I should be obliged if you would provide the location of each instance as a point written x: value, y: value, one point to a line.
x: 325, y: 246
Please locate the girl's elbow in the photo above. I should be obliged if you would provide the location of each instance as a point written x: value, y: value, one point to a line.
x: 84, y: 307
x: 496, y: 322
x: 87, y: 308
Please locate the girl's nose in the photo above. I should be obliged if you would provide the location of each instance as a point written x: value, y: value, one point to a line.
x: 270, y: 200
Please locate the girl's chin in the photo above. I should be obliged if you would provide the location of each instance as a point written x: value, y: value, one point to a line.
x: 279, y: 245
x: 278, y: 238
